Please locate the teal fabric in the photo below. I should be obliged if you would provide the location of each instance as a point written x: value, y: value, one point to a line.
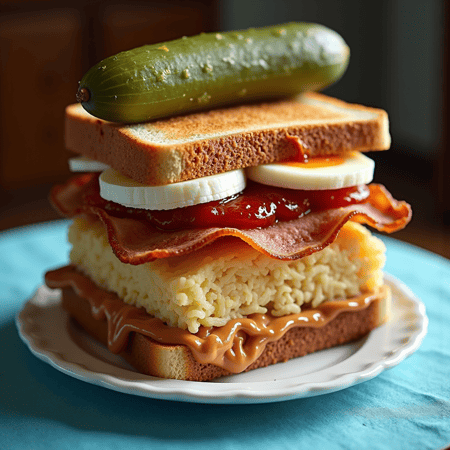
x: 407, y: 407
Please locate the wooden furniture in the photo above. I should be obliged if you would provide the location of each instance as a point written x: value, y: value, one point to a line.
x: 45, y: 47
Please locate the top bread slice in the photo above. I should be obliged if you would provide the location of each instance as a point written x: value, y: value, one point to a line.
x: 202, y: 144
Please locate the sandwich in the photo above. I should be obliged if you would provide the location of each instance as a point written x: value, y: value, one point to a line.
x: 182, y: 298
x: 228, y: 239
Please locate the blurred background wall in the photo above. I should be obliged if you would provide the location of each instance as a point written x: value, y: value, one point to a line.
x: 396, y: 55
x: 398, y: 63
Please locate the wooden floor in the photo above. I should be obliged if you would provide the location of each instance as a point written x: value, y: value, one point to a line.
x: 413, y: 182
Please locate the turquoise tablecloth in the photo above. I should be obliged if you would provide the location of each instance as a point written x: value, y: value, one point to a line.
x: 407, y: 407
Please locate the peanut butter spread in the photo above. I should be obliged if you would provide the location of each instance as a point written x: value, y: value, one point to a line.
x: 232, y: 347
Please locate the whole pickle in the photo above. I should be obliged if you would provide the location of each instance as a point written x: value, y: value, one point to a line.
x: 214, y: 69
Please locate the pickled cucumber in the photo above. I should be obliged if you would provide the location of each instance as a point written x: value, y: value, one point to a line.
x: 213, y: 69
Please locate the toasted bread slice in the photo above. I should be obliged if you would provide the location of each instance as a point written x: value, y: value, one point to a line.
x: 207, y: 143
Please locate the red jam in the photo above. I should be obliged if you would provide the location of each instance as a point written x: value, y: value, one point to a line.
x: 258, y: 206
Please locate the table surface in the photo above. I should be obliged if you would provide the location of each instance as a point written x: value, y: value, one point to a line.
x: 407, y: 406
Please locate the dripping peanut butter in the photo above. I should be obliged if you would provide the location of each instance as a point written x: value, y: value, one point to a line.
x: 232, y: 347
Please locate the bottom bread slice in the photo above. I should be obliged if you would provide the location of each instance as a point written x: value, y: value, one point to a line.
x: 177, y: 361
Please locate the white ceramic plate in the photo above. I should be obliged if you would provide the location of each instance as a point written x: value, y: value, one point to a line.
x: 46, y: 329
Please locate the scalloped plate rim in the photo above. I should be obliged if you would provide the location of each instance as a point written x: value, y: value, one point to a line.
x: 346, y: 373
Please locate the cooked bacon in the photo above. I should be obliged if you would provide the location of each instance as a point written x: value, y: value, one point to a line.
x: 135, y: 241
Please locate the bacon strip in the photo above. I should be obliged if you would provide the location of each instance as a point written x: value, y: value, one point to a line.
x: 135, y: 241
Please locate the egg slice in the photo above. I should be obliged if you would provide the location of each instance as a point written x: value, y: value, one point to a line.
x: 83, y: 164
x: 320, y: 173
x: 127, y: 192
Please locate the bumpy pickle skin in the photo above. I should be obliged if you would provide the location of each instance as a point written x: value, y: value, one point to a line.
x: 212, y: 70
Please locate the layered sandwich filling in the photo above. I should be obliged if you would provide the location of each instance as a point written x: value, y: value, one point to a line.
x: 308, y: 250
x: 229, y: 279
x: 136, y: 240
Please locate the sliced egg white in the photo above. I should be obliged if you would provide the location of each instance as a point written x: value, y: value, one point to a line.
x: 83, y: 164
x: 355, y: 169
x: 127, y: 192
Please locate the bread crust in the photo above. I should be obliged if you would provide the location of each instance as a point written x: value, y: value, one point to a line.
x: 177, y: 361
x: 203, y: 144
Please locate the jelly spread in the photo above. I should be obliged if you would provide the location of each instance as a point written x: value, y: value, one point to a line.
x: 135, y: 241
x: 304, y: 159
x: 258, y: 206
x: 232, y: 347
